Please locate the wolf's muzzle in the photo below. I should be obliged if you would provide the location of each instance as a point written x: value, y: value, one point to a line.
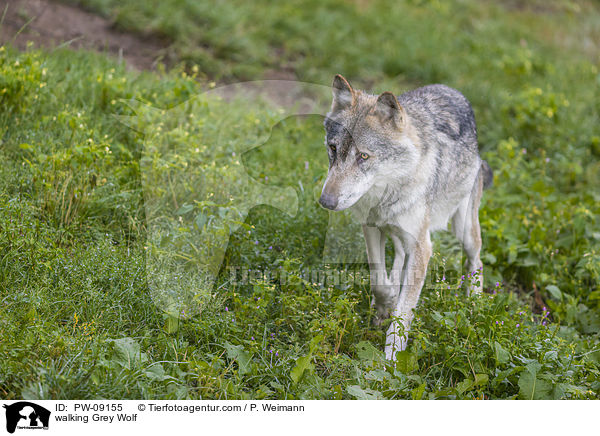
x: 328, y: 201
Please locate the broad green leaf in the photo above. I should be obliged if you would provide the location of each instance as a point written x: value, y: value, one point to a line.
x: 555, y: 292
x: 531, y: 387
x: 502, y: 356
x: 171, y: 324
x: 201, y: 219
x: 302, y: 364
x: 464, y: 386
x: 481, y: 379
x: 185, y: 208
x: 363, y: 394
x: 367, y: 351
x: 156, y: 372
x: 127, y: 353
x: 406, y: 362
x: 314, y: 342
x: 377, y: 375
x: 241, y: 356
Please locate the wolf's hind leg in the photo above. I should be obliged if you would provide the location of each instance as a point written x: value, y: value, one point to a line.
x: 465, y: 224
x: 381, y: 286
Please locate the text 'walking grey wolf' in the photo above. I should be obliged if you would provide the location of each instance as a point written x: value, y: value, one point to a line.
x: 405, y: 166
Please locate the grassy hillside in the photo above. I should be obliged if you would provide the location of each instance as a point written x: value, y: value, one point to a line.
x: 78, y: 311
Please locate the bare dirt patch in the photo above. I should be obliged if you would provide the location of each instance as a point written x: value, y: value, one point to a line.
x: 49, y: 24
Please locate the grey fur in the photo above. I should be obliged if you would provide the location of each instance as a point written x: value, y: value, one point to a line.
x: 405, y: 166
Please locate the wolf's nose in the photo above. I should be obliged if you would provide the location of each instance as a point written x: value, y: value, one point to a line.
x: 328, y: 201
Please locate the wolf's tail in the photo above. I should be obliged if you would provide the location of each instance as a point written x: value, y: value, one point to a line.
x: 488, y: 174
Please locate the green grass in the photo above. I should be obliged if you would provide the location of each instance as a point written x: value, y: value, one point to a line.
x: 87, y: 206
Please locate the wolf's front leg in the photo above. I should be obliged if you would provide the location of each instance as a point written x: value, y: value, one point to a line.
x: 394, y: 281
x: 413, y: 280
x: 398, y: 269
x: 383, y: 289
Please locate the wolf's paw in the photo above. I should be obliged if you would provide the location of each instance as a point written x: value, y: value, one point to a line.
x: 378, y: 320
x: 382, y: 313
x: 384, y: 302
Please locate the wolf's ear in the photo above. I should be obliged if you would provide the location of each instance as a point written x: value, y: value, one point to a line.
x: 343, y: 94
x: 387, y: 109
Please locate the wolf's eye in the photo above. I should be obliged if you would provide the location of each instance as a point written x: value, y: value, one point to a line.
x: 332, y: 146
x: 364, y: 156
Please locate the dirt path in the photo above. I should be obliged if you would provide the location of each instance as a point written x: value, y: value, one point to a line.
x: 49, y: 24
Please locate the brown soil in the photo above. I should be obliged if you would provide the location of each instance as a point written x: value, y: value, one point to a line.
x: 49, y: 24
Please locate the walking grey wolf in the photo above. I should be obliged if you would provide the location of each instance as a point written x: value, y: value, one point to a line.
x: 405, y: 166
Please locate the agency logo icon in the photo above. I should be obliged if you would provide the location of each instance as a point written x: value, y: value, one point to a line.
x: 26, y: 415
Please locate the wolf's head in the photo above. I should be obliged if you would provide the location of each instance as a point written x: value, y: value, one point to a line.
x: 369, y: 142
